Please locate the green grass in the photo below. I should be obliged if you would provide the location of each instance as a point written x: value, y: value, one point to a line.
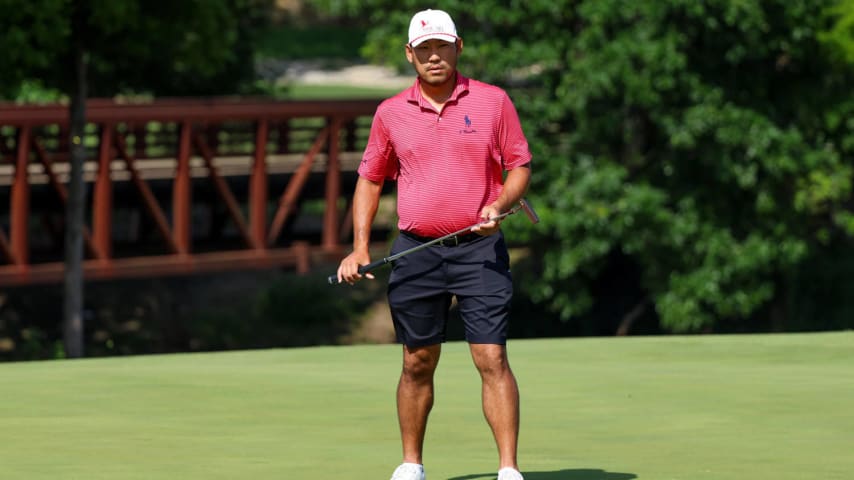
x: 336, y: 92
x: 662, y: 408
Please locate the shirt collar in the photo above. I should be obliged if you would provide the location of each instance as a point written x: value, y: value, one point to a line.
x: 416, y: 97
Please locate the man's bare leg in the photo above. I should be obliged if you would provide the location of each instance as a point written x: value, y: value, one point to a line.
x: 415, y: 398
x: 500, y: 399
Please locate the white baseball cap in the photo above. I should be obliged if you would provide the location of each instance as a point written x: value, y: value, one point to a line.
x: 429, y: 24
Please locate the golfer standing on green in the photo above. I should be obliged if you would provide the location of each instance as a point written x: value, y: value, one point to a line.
x: 448, y: 141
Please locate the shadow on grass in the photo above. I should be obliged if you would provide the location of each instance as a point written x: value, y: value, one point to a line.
x: 569, y: 474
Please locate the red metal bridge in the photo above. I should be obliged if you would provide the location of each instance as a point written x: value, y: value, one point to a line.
x: 181, y: 186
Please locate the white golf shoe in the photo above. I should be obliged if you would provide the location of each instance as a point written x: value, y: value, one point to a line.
x: 508, y: 473
x: 409, y: 471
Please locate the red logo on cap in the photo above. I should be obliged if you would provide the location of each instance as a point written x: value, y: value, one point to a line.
x: 423, y: 24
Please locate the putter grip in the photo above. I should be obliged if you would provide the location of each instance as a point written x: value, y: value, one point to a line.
x: 333, y: 279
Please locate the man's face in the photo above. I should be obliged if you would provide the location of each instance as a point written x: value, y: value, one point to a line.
x: 435, y: 60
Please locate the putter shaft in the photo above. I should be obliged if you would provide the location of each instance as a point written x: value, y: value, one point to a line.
x: 523, y: 204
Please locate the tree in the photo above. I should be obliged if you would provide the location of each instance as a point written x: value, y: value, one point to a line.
x: 31, y: 35
x: 182, y: 47
x: 108, y: 47
x: 75, y: 210
x: 702, y: 148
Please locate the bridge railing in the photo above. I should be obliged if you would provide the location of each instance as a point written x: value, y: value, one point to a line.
x: 181, y: 185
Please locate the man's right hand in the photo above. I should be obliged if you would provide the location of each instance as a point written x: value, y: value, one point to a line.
x: 348, y: 271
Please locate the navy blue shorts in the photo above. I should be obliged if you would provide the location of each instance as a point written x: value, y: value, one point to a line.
x: 423, y: 283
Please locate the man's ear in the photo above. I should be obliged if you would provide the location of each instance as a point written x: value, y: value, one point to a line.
x: 459, y: 46
x: 409, y: 53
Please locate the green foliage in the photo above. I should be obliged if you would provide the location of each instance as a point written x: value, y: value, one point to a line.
x: 182, y: 47
x: 840, y: 37
x: 34, y: 92
x: 184, y: 314
x: 30, y: 34
x: 328, y: 42
x: 710, y: 142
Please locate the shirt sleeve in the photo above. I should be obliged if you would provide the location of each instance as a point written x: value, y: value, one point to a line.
x: 514, y: 145
x: 379, y: 161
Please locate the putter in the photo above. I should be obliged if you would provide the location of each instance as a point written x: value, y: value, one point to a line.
x: 523, y: 205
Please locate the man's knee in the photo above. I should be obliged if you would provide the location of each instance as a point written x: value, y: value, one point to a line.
x: 490, y: 360
x: 419, y: 364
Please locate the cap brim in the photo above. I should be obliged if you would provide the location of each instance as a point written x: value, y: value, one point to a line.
x: 439, y: 36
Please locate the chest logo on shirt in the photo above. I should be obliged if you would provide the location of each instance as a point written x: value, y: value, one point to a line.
x: 468, y: 128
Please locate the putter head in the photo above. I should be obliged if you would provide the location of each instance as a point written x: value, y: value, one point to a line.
x: 529, y: 211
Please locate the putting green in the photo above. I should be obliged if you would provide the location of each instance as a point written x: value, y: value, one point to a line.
x: 663, y: 408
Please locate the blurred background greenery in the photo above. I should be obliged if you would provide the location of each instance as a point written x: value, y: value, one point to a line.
x: 693, y: 159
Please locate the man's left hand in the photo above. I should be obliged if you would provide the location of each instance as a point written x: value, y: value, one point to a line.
x: 491, y: 226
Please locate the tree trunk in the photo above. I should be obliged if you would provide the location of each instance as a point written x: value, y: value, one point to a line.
x: 75, y: 209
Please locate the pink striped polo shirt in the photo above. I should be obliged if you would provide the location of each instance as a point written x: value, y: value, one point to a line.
x: 448, y: 166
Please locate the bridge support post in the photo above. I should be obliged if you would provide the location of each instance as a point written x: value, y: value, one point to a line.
x: 102, y: 208
x: 182, y: 219
x: 333, y: 188
x: 258, y: 188
x: 20, y: 213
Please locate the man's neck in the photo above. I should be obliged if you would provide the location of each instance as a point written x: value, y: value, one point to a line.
x: 438, y: 95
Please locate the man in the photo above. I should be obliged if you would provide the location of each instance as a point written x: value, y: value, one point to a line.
x: 447, y: 141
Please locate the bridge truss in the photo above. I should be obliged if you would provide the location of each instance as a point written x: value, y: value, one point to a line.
x: 181, y: 186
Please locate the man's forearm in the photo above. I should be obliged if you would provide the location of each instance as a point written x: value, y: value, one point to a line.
x: 515, y: 186
x: 365, y: 203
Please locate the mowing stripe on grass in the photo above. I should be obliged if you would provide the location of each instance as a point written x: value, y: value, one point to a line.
x: 664, y: 408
